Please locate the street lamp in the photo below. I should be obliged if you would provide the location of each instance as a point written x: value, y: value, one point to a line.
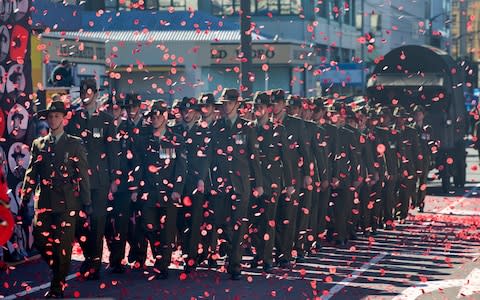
x: 430, y: 26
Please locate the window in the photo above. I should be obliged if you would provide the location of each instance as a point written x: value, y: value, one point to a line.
x: 276, y: 7
x: 323, y: 8
x: 151, y: 4
x: 66, y: 2
x: 337, y: 10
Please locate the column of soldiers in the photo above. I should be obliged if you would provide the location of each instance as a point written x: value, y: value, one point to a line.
x: 296, y: 174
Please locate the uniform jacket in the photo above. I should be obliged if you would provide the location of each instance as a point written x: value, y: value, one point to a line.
x: 297, y: 142
x: 345, y: 160
x: 426, y: 143
x: 128, y: 156
x: 390, y: 143
x: 99, y: 137
x: 408, y: 151
x: 330, y: 145
x: 58, y: 174
x: 199, y: 154
x: 315, y: 139
x: 235, y: 161
x: 163, y: 167
x: 364, y: 154
x: 274, y: 156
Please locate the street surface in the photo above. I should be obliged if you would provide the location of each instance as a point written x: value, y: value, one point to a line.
x: 435, y: 255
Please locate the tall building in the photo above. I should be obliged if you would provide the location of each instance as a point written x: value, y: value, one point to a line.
x: 465, y: 42
x: 466, y: 29
x: 172, y: 48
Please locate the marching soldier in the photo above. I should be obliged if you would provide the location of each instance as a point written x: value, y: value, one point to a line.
x: 371, y: 195
x: 409, y: 147
x: 294, y: 109
x: 119, y: 206
x: 315, y: 139
x: 320, y: 204
x: 389, y: 147
x: 277, y: 171
x: 344, y: 175
x: 58, y: 175
x: 288, y: 207
x: 235, y: 161
x: 139, y: 129
x: 163, y: 171
x: 97, y: 130
x: 425, y: 157
x: 209, y: 116
x: 361, y: 169
x: 197, y: 144
x: 368, y: 170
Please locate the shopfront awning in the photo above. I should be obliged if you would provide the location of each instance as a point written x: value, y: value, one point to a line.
x: 402, y: 80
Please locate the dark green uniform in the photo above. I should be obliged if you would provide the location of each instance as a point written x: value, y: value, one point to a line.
x: 307, y: 216
x: 409, y: 147
x: 136, y: 235
x: 190, y: 220
x: 364, y: 169
x: 119, y: 207
x: 98, y: 134
x: 274, y: 156
x: 163, y: 170
x: 321, y: 197
x: 423, y: 161
x: 344, y: 169
x: 235, y: 162
x: 330, y: 143
x: 288, y: 206
x: 58, y: 176
x: 372, y: 204
x: 389, y: 143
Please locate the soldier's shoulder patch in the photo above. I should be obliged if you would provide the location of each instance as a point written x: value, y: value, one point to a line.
x: 74, y: 139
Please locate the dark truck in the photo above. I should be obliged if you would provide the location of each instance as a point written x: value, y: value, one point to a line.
x: 428, y: 76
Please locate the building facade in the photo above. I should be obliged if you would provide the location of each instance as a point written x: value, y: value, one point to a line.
x: 305, y: 47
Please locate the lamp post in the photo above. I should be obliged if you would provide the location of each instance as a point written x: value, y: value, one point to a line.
x: 362, y: 46
x: 246, y: 48
x: 430, y: 26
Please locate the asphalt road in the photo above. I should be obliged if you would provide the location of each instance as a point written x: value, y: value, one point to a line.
x: 435, y: 255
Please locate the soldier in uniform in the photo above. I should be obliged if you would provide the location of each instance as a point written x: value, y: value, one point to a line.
x: 119, y: 206
x: 371, y: 194
x: 207, y: 105
x: 320, y: 204
x: 300, y: 156
x: 389, y: 147
x: 424, y: 158
x: 97, y: 129
x: 235, y: 161
x: 344, y: 175
x: 197, y: 144
x: 409, y: 146
x: 136, y: 237
x: 302, y: 221
x: 361, y: 168
x: 163, y: 170
x: 318, y: 171
x: 277, y: 171
x: 58, y: 175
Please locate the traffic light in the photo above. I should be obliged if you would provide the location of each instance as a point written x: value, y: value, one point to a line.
x: 370, y: 39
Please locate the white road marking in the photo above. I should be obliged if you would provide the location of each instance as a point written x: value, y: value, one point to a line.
x: 352, y: 277
x: 414, y: 292
x: 36, y: 289
x: 451, y: 208
x: 471, y: 285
